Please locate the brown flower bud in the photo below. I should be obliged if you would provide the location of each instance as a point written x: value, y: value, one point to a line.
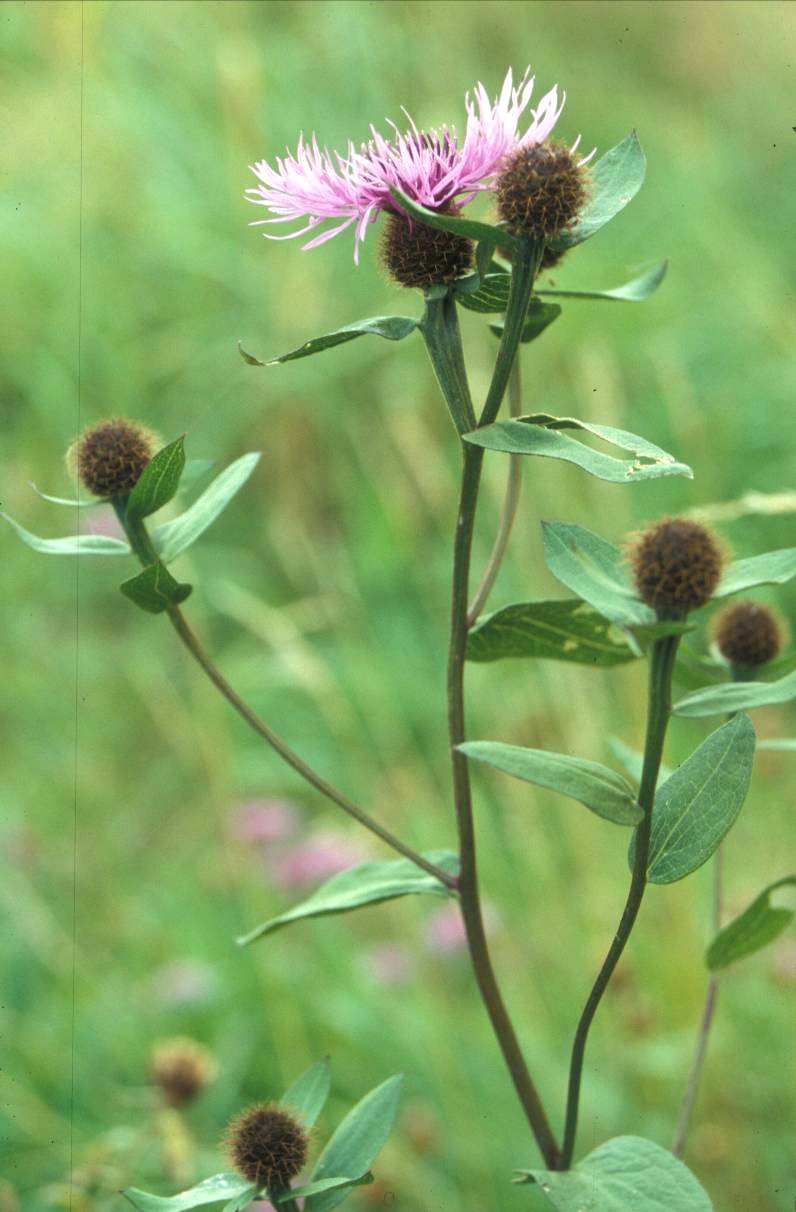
x: 415, y: 254
x: 181, y: 1068
x: 748, y: 634
x: 541, y: 191
x: 676, y: 566
x: 267, y: 1145
x: 110, y: 457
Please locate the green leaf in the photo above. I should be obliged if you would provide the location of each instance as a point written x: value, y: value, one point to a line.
x: 323, y: 1185
x: 600, y: 789
x: 155, y: 589
x: 737, y: 696
x: 633, y: 760
x: 158, y: 482
x: 757, y: 926
x: 784, y: 745
x: 615, y: 180
x: 593, y: 569
x: 172, y: 538
x: 539, y: 317
x: 566, y: 630
x: 82, y: 504
x: 699, y: 803
x: 773, y: 568
x: 365, y: 884
x: 470, y: 229
x: 82, y: 544
x: 308, y: 1093
x: 357, y: 1142
x: 634, y: 291
x: 212, y: 1191
x: 626, y: 1174
x: 392, y: 328
x: 491, y: 296
x: 539, y: 435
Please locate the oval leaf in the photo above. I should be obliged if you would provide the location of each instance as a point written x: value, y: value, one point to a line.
x: 158, y: 482
x: 626, y: 1174
x: 356, y: 1143
x: 634, y: 291
x: 757, y: 926
x: 737, y: 696
x: 593, y: 569
x: 700, y: 802
x: 567, y: 630
x: 365, y: 884
x: 155, y: 589
x: 172, y: 538
x: 212, y: 1191
x: 392, y: 328
x: 615, y: 180
x: 79, y: 544
x: 773, y: 568
x: 600, y: 789
x: 309, y: 1093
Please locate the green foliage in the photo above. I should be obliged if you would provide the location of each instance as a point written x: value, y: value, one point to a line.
x: 356, y: 1143
x: 172, y: 538
x: 593, y: 569
x: 307, y: 1095
x: 565, y: 630
x: 158, y: 482
x: 392, y: 328
x: 626, y: 1174
x: 756, y: 927
x: 215, y: 1190
x: 615, y: 180
x: 538, y: 318
x: 773, y: 568
x: 324, y: 1186
x: 471, y: 229
x: 737, y: 696
x: 633, y: 760
x: 635, y: 291
x: 600, y: 789
x: 83, y: 544
x: 155, y: 589
x: 365, y: 884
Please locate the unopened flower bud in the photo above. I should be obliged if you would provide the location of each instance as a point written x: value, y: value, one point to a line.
x: 748, y: 634
x: 415, y: 254
x: 676, y: 566
x: 541, y: 191
x: 181, y: 1068
x: 267, y: 1145
x: 110, y: 457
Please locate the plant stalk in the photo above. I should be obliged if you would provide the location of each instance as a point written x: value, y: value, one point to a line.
x: 662, y: 661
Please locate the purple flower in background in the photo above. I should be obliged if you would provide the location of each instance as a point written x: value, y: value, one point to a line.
x: 321, y: 856
x: 260, y: 821
x: 436, y: 168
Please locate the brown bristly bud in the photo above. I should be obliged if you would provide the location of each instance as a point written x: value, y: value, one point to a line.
x: 181, y: 1068
x: 267, y: 1145
x: 748, y: 634
x: 110, y: 457
x: 676, y: 566
x: 541, y: 191
x: 420, y: 256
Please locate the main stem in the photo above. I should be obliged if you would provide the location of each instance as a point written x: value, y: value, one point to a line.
x: 659, y: 709
x: 472, y: 458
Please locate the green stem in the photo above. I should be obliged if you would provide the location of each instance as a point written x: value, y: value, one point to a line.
x: 525, y: 265
x: 440, y: 329
x: 142, y: 545
x: 662, y: 660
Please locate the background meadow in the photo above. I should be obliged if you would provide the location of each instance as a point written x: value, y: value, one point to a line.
x: 140, y: 812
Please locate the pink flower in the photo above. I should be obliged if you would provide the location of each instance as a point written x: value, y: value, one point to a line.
x: 318, y: 858
x: 445, y: 931
x: 259, y: 821
x: 103, y: 521
x: 435, y: 168
x: 184, y: 983
x: 390, y: 963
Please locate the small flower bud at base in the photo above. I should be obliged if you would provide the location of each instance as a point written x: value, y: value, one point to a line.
x: 416, y: 255
x: 181, y: 1068
x: 676, y: 566
x: 110, y: 457
x: 748, y: 635
x: 541, y: 191
x: 267, y: 1145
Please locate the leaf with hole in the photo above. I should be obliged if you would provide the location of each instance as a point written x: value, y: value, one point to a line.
x: 170, y: 539
x: 155, y: 589
x: 773, y: 568
x: 614, y: 181
x: 356, y: 1142
x: 215, y: 1190
x: 391, y: 328
x: 755, y: 928
x: 366, y: 884
x: 158, y: 482
x: 737, y: 696
x: 593, y: 569
x: 698, y: 804
x: 309, y: 1092
x: 635, y: 291
x: 78, y: 544
x: 598, y: 788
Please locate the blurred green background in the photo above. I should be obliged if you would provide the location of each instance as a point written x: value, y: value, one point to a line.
x: 323, y: 593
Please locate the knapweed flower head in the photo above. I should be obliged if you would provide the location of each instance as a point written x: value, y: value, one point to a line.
x: 748, y: 634
x: 267, y: 1145
x: 110, y: 457
x: 439, y: 168
x: 677, y: 565
x: 541, y: 191
x: 181, y: 1068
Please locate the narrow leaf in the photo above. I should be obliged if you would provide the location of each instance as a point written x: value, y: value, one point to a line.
x: 83, y: 504
x: 600, y: 789
x: 566, y: 630
x: 784, y: 745
x: 471, y: 229
x: 249, y: 358
x: 539, y: 435
x: 155, y: 589
x: 737, y: 696
x: 773, y: 568
x: 322, y: 1186
x: 83, y: 544
x: 626, y: 1174
x: 700, y: 802
x: 615, y: 180
x: 158, y: 482
x: 212, y: 1191
x: 365, y: 884
x: 539, y: 317
x: 632, y: 292
x: 593, y: 569
x: 757, y: 926
x: 308, y: 1093
x: 357, y: 1142
x: 392, y: 328
x: 172, y: 538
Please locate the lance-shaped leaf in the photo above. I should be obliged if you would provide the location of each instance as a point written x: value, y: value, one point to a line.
x: 78, y: 544
x: 593, y: 569
x: 158, y: 482
x: 598, y: 788
x: 356, y: 1143
x: 492, y: 294
x: 322, y: 1187
x: 213, y: 1190
x: 172, y: 538
x: 470, y: 229
x: 155, y: 589
x: 84, y: 503
x: 566, y: 630
x: 540, y: 434
x: 737, y: 696
x: 782, y: 745
x: 700, y: 802
x: 615, y: 180
x: 756, y: 927
x: 626, y: 1174
x: 391, y: 328
x: 309, y: 1092
x: 538, y: 317
x: 366, y: 884
x: 773, y: 568
x: 635, y: 291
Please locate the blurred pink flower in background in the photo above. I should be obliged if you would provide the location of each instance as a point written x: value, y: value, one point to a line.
x: 103, y: 521
x: 184, y: 983
x: 444, y: 932
x: 390, y: 963
x: 320, y: 856
x: 258, y: 821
